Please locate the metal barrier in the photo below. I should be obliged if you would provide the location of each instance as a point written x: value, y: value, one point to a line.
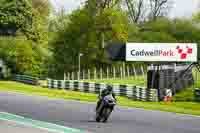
x: 133, y: 92
x: 26, y: 79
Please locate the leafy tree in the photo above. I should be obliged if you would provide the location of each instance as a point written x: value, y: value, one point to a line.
x: 159, y: 8
x: 18, y: 54
x: 82, y: 35
x: 166, y: 30
x: 147, y: 10
x: 136, y: 10
x: 58, y: 21
x: 196, y: 17
x: 154, y: 31
x: 19, y: 17
x: 15, y: 15
x: 27, y: 51
x: 42, y: 6
x: 185, y: 31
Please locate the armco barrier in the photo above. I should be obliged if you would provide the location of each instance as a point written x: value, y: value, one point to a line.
x: 26, y: 79
x: 133, y: 92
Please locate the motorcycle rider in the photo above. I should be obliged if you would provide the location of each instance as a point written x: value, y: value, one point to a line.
x: 105, y: 92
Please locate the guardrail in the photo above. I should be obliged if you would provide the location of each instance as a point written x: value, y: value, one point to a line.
x: 26, y: 79
x: 133, y: 92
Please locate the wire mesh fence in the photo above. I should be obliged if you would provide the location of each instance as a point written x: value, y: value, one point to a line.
x: 115, y: 72
x: 173, y: 76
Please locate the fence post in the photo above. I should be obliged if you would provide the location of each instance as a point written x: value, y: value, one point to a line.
x: 95, y: 70
x: 88, y: 73
x: 121, y: 73
x: 68, y: 76
x: 72, y: 75
x: 142, y: 70
x: 128, y: 71
x: 107, y: 72
x: 64, y: 76
x: 114, y: 72
x: 198, y: 76
x: 78, y: 75
x: 83, y: 74
x: 101, y: 73
x: 124, y: 70
x: 135, y: 74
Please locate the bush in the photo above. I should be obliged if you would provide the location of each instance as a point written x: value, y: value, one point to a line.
x: 185, y: 95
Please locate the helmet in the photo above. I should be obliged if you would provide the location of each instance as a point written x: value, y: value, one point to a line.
x: 110, y: 88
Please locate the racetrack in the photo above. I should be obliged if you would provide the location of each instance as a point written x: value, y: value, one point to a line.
x: 81, y: 115
x: 11, y: 127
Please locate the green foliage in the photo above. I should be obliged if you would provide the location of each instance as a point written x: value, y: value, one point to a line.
x: 186, y: 31
x: 115, y: 22
x: 27, y: 52
x: 82, y: 31
x: 165, y: 30
x: 42, y: 6
x: 23, y: 19
x: 82, y: 34
x: 21, y: 56
x: 41, y: 10
x: 186, y: 95
x: 16, y: 15
x: 58, y: 21
x: 196, y: 17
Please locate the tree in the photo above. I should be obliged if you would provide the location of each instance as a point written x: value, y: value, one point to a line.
x: 20, y: 18
x: 166, y: 30
x: 147, y: 10
x: 81, y: 35
x: 135, y: 9
x: 58, y: 21
x: 154, y: 31
x: 107, y: 3
x: 28, y: 22
x: 185, y: 31
x: 158, y: 8
x: 196, y: 17
x: 42, y: 6
x: 15, y: 15
x: 19, y: 55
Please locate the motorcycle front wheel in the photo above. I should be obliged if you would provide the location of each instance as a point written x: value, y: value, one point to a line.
x: 99, y: 113
x: 98, y: 119
x: 106, y: 114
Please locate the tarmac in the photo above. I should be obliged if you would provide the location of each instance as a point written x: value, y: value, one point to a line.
x: 13, y: 127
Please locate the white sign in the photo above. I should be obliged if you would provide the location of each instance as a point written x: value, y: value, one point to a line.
x: 161, y: 52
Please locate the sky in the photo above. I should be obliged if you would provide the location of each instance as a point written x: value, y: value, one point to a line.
x: 181, y: 8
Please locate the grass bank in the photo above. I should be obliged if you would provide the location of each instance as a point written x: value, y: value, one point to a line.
x: 176, y: 107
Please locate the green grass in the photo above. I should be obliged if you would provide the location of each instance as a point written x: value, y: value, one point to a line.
x: 36, y: 90
x: 139, y: 81
x: 177, y: 107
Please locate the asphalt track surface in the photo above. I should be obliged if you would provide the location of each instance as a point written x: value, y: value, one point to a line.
x: 80, y: 115
x: 12, y: 127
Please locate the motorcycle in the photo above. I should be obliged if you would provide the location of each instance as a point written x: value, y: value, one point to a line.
x: 106, y: 107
